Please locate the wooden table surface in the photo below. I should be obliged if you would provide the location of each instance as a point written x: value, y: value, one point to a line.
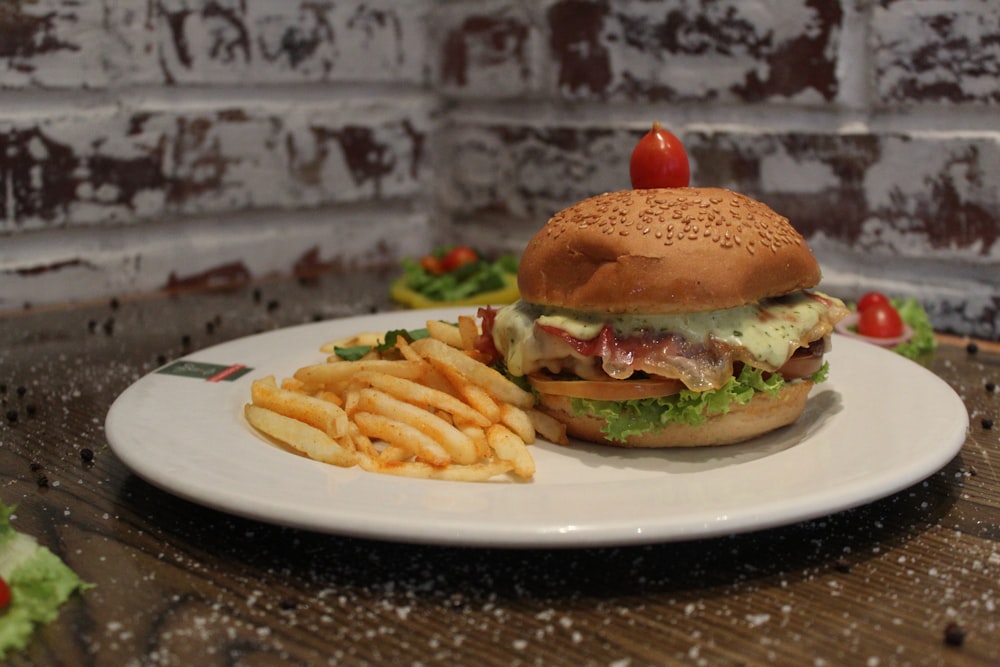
x: 912, y: 579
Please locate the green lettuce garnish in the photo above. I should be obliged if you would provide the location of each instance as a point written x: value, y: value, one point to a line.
x: 355, y: 352
x: 923, y: 341
x: 39, y: 584
x: 635, y: 417
x: 465, y: 281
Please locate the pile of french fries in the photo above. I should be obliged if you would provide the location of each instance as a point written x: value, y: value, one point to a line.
x: 429, y: 408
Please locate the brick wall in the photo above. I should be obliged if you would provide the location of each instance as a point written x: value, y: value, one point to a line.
x: 168, y: 142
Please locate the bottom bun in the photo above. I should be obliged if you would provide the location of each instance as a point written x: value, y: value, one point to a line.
x: 762, y: 414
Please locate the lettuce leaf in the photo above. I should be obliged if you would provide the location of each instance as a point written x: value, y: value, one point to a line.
x: 39, y: 584
x: 634, y: 417
x: 923, y: 341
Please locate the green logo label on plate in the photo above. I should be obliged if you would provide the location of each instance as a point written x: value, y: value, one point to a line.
x: 205, y: 371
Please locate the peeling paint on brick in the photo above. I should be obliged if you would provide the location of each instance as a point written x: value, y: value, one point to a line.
x: 685, y: 50
x: 487, y: 53
x: 124, y: 167
x: 936, y: 52
x: 922, y: 194
x: 300, y: 40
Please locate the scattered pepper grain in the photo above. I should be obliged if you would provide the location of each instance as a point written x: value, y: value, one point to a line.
x: 954, y: 634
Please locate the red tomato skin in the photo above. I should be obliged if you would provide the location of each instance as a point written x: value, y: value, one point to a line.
x: 872, y: 299
x: 431, y: 264
x: 880, y: 321
x: 4, y: 593
x: 459, y: 256
x: 659, y: 161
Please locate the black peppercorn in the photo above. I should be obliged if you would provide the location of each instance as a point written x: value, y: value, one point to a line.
x: 12, y: 416
x: 954, y: 634
x: 991, y: 387
x: 87, y: 454
x: 987, y: 423
x: 972, y: 348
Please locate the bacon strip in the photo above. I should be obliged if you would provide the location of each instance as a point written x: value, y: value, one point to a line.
x: 700, y: 367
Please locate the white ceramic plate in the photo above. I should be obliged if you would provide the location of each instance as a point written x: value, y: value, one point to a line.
x: 880, y: 424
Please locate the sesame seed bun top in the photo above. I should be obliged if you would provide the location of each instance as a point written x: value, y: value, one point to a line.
x: 669, y: 250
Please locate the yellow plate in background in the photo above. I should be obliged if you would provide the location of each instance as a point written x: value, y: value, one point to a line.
x: 405, y: 296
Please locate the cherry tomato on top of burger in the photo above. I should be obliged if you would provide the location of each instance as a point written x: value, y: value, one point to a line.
x: 880, y: 320
x: 457, y: 257
x: 872, y: 299
x: 659, y: 161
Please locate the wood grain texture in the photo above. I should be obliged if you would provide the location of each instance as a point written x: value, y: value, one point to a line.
x: 179, y: 584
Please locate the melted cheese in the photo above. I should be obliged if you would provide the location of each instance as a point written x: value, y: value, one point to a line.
x: 765, y: 335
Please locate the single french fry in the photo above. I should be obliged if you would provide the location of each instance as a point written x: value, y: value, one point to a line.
x: 478, y: 437
x: 394, y: 453
x: 330, y: 396
x: 333, y: 374
x: 469, y: 332
x: 362, y: 443
x: 445, y: 332
x: 318, y: 413
x: 294, y: 384
x: 518, y: 421
x: 311, y: 441
x: 509, y: 447
x: 548, y: 427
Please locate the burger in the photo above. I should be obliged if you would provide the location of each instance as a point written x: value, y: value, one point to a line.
x: 672, y: 317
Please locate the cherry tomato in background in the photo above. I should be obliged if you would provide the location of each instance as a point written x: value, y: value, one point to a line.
x: 459, y: 256
x: 4, y: 594
x: 659, y: 161
x: 872, y: 299
x: 880, y: 320
x: 431, y: 264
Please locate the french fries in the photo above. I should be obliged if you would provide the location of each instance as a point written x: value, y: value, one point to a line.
x: 428, y: 409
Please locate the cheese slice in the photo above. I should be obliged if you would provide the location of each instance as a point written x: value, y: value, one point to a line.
x: 764, y: 335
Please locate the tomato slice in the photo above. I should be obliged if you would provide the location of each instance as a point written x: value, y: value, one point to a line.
x: 801, y: 366
x: 606, y: 390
